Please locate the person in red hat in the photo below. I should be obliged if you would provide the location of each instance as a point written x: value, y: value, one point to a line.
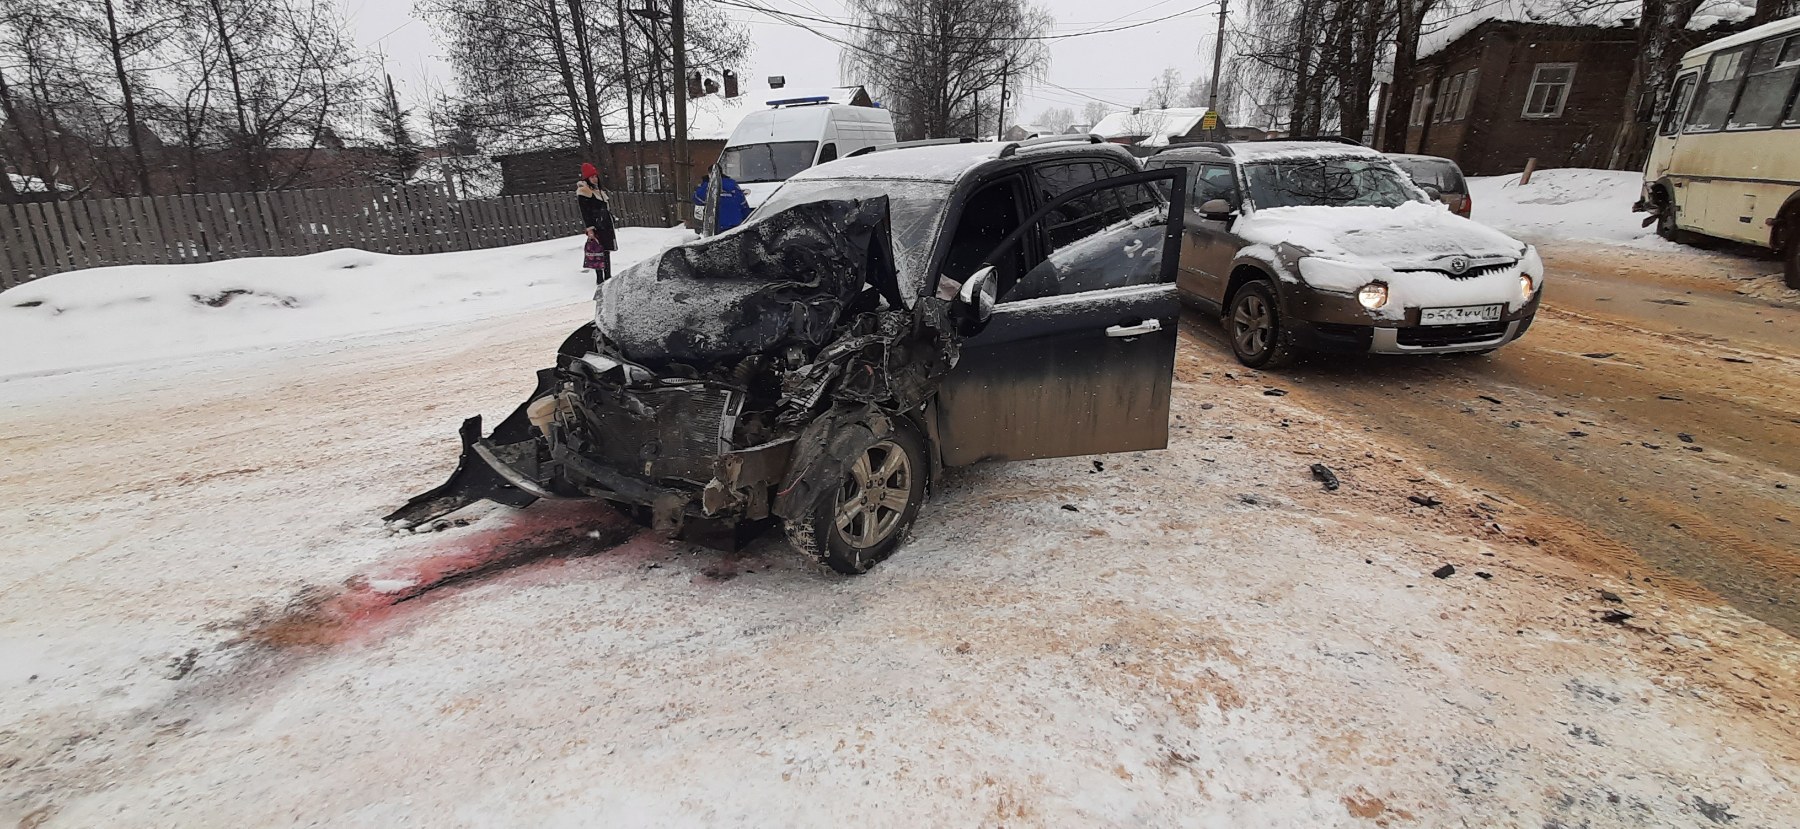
x: 597, y: 222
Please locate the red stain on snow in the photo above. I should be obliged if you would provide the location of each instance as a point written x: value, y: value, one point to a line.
x: 547, y: 530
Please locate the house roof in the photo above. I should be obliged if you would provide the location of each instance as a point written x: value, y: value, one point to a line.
x: 1445, y: 31
x: 1156, y: 126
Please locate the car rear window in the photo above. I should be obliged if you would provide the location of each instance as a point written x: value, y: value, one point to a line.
x: 1443, y: 175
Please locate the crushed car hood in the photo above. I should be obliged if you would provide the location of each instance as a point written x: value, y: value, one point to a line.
x: 1414, y: 234
x: 777, y: 282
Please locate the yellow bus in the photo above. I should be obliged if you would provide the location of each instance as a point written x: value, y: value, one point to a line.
x: 1726, y: 159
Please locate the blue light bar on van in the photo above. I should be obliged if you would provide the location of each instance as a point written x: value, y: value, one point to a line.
x: 815, y: 99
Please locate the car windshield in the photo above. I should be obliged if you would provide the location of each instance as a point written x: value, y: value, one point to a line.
x: 768, y: 162
x: 1327, y: 182
x: 914, y: 208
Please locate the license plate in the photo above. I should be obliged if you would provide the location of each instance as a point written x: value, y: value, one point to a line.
x: 1461, y: 316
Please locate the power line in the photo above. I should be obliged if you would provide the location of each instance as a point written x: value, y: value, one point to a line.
x: 880, y: 30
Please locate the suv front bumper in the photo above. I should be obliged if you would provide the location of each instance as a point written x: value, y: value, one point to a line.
x: 1331, y: 322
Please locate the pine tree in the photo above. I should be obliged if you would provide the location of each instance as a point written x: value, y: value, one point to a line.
x: 403, y: 154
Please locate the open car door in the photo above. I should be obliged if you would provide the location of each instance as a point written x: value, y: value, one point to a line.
x: 1079, y: 353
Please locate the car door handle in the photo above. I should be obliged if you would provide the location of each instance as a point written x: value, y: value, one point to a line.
x: 1138, y: 330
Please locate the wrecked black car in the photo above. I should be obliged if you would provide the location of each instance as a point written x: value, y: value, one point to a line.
x: 879, y: 319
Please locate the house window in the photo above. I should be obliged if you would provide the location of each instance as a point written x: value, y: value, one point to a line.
x: 1549, y: 90
x: 1768, y: 86
x: 1468, y: 94
x: 1418, y: 107
x: 645, y: 179
x: 1457, y: 95
x: 1717, y: 92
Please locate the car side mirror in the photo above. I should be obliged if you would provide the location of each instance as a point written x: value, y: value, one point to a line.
x: 975, y: 301
x: 1216, y: 209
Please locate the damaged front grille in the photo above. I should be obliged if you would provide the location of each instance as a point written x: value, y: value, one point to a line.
x: 671, y: 432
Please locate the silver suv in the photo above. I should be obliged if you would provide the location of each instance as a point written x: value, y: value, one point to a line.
x: 1326, y: 246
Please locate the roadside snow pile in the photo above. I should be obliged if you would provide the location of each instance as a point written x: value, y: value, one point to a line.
x: 133, y: 313
x: 1570, y: 203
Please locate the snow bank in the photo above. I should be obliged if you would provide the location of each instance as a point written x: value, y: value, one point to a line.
x: 106, y: 316
x: 1592, y: 205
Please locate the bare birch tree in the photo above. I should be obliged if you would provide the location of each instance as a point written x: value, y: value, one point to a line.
x: 940, y: 64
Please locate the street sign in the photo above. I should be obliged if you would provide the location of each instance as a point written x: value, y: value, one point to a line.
x: 1210, y: 121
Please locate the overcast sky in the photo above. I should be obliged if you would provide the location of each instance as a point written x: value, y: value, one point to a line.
x: 1115, y: 67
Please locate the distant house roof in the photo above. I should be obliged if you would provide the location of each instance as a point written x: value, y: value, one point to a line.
x: 1442, y: 32
x: 1150, y: 127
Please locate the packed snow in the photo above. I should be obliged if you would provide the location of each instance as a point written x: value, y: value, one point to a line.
x: 150, y: 313
x: 1574, y: 204
x: 204, y: 622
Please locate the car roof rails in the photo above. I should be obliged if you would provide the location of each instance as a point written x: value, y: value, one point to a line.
x: 1334, y: 139
x: 1043, y: 140
x: 902, y: 145
x: 1215, y: 146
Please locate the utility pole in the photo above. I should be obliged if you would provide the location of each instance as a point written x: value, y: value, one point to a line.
x: 1000, y: 130
x: 1212, y: 98
x: 678, y: 33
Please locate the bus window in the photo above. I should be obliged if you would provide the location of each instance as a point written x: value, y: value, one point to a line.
x: 1717, y: 93
x: 1791, y: 54
x: 1768, y: 84
x: 1678, y: 103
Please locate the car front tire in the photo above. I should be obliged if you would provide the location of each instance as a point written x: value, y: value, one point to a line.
x: 867, y: 516
x: 1259, y: 337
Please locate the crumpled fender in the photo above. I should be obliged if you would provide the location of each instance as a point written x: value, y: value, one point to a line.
x: 474, y: 480
x: 820, y: 452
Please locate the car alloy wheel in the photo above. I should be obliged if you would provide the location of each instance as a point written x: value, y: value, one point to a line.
x: 864, y: 519
x: 1252, y: 325
x: 874, y: 497
x: 1259, y: 337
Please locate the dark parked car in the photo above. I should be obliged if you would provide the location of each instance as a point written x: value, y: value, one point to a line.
x: 878, y: 319
x: 1438, y: 177
x: 1320, y: 245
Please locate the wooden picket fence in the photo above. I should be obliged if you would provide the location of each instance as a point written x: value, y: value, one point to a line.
x: 40, y: 239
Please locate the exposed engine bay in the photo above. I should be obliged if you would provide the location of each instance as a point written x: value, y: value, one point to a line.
x: 725, y: 380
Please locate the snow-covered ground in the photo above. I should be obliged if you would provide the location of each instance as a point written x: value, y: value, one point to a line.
x: 152, y: 313
x: 1573, y: 204
x: 204, y: 623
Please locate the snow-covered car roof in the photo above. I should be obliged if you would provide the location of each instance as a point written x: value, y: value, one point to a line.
x: 942, y: 162
x: 1281, y: 150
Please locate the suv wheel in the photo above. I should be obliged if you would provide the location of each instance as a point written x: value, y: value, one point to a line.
x: 866, y: 518
x: 1254, y: 326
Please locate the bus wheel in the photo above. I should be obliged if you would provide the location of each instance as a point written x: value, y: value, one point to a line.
x: 1790, y: 258
x: 1665, y: 223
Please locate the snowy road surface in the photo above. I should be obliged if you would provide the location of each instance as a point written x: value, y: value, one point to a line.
x: 205, y: 624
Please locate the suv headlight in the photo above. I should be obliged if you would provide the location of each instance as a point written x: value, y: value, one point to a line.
x: 1373, y: 295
